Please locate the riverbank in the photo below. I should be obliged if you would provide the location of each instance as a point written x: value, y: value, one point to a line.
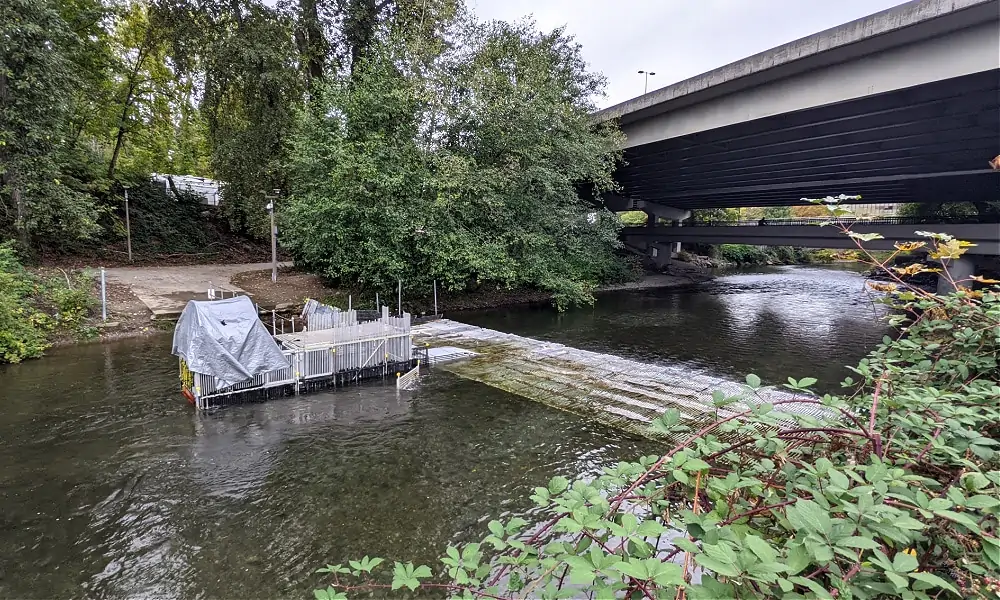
x: 62, y: 306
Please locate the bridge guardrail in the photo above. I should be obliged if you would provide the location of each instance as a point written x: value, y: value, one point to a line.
x: 855, y: 221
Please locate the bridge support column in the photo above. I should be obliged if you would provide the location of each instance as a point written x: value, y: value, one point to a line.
x: 959, y: 269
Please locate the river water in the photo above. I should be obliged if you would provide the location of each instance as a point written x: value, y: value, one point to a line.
x: 111, y: 486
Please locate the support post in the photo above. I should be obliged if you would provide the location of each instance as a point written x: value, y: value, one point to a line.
x: 274, y: 249
x: 274, y: 322
x: 435, y: 297
x: 128, y: 228
x: 348, y: 303
x: 104, y: 297
x: 399, y: 298
x: 377, y: 307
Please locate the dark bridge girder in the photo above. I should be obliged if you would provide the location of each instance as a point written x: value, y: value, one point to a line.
x: 929, y: 143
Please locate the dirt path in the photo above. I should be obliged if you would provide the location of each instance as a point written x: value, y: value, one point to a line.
x: 166, y: 290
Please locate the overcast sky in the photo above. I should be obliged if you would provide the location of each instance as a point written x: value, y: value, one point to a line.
x: 676, y: 39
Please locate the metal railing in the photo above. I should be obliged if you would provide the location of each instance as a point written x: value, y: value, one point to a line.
x: 345, y: 353
x: 844, y: 221
x: 409, y: 379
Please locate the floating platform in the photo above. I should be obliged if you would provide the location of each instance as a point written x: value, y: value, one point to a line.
x: 617, y: 391
x: 334, y: 350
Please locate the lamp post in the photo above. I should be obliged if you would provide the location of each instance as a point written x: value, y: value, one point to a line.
x: 128, y: 227
x: 274, y: 233
x: 645, y: 87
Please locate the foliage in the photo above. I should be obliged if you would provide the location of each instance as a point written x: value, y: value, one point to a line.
x: 950, y: 209
x: 743, y: 254
x: 808, y: 211
x: 469, y: 174
x: 717, y: 215
x: 891, y: 490
x: 36, y: 83
x: 633, y: 218
x: 33, y: 307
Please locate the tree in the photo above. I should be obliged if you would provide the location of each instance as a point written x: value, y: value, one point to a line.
x: 466, y: 172
x: 810, y: 211
x: 36, y: 79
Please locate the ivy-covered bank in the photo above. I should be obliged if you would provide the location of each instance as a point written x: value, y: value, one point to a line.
x: 747, y: 255
x: 35, y: 309
x: 893, y: 491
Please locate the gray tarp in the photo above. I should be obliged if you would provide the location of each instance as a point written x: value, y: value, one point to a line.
x: 225, y: 338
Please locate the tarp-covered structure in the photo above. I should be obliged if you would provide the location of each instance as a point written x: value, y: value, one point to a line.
x: 225, y: 339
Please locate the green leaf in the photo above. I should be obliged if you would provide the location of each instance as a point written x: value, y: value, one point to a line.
x: 960, y: 518
x: 806, y: 515
x: 753, y: 381
x: 934, y: 580
x: 982, y: 502
x: 717, y: 566
x: 858, y: 542
x: 634, y: 568
x: 650, y: 528
x: 422, y: 571
x: 764, y: 551
x: 816, y: 588
x: 904, y: 563
x: 496, y: 528
x: 897, y: 580
x: 796, y: 560
x: 696, y: 464
x: 680, y: 476
x: 558, y: 485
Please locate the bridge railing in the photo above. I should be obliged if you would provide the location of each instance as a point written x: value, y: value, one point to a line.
x: 844, y: 221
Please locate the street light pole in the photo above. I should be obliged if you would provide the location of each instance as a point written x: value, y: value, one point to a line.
x: 274, y: 234
x: 645, y: 87
x: 128, y: 228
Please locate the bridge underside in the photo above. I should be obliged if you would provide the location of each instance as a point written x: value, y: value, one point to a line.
x: 929, y: 143
x: 986, y: 236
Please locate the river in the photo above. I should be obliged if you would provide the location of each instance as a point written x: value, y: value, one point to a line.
x: 112, y: 487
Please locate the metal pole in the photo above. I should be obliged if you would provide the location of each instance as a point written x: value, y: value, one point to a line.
x: 128, y: 227
x: 274, y: 247
x: 377, y: 307
x: 274, y: 323
x: 348, y: 302
x: 435, y: 297
x: 104, y: 298
x: 399, y: 298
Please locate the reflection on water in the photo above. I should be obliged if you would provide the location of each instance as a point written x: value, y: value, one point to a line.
x: 112, y: 487
x: 773, y: 321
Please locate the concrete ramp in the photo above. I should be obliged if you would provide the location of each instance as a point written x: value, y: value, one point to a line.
x: 616, y: 391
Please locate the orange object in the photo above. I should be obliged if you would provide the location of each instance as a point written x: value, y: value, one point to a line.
x: 188, y: 395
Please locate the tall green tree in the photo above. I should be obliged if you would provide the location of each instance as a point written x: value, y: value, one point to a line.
x: 466, y: 170
x: 36, y: 79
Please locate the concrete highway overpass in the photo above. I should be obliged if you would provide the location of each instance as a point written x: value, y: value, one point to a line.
x: 900, y: 106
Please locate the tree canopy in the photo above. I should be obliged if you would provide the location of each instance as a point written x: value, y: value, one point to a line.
x: 409, y: 140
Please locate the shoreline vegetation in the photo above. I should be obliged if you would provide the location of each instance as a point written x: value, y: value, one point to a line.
x: 888, y: 490
x: 53, y: 306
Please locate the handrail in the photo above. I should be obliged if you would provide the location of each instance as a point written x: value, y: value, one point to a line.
x: 988, y: 219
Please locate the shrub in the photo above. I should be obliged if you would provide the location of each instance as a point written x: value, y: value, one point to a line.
x: 21, y: 336
x: 31, y: 308
x: 892, y: 490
